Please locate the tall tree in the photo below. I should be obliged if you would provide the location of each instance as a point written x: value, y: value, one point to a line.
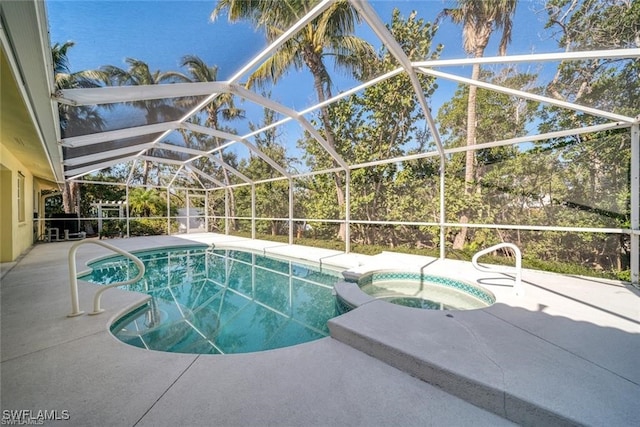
x: 222, y: 107
x: 70, y: 117
x: 139, y: 74
x: 505, y: 195
x: 479, y: 19
x: 146, y: 202
x: 330, y: 34
x: 379, y: 123
x: 611, y: 24
x: 596, y: 166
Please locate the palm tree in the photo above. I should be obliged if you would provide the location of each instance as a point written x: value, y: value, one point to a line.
x: 137, y: 74
x: 328, y: 34
x: 221, y: 107
x: 76, y: 120
x: 479, y: 19
x: 65, y: 79
x: 145, y: 202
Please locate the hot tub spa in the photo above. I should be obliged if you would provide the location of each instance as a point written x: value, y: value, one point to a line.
x: 413, y: 289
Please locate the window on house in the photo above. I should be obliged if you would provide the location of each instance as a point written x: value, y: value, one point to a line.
x: 21, y: 208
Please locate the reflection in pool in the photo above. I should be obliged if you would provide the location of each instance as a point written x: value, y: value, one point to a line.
x: 221, y: 301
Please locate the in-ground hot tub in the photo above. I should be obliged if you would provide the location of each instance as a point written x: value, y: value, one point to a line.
x: 412, y: 289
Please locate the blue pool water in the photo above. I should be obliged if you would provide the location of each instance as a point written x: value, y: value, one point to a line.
x: 221, y: 301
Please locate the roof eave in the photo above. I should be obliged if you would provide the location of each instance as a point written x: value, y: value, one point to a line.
x: 26, y: 40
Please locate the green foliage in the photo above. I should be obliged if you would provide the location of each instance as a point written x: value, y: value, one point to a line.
x: 610, y: 84
x: 380, y: 123
x: 272, y: 197
x: 572, y: 181
x: 137, y: 227
x: 506, y: 180
x: 113, y: 228
x: 560, y: 267
x: 146, y: 202
x: 94, y: 193
x: 147, y: 227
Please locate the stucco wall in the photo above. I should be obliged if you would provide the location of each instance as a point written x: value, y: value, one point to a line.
x: 15, y: 236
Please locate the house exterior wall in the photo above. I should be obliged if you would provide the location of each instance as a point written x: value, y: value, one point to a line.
x: 16, y: 234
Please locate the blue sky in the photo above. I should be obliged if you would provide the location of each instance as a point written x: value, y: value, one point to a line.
x: 160, y: 32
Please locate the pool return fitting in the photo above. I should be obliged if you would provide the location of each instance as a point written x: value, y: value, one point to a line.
x: 73, y: 276
x: 517, y: 288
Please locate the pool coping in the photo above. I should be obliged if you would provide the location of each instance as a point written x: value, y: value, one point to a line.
x: 519, y: 404
x: 405, y: 338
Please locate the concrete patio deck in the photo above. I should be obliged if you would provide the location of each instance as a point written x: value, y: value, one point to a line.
x: 565, y: 353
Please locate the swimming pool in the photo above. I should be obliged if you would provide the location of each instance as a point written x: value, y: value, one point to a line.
x: 221, y: 301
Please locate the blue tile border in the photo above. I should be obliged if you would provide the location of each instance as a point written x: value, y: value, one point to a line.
x: 467, y: 288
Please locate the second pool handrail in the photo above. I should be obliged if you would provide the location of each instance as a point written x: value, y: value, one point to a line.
x: 73, y: 276
x: 518, y: 289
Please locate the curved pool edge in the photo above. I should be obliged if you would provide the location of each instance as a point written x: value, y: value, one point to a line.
x: 349, y: 292
x: 124, y: 310
x: 87, y: 263
x: 118, y: 310
x: 117, y: 313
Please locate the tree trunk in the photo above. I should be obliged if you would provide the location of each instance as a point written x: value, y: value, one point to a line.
x: 461, y: 236
x: 230, y: 211
x: 469, y: 171
x: 145, y: 172
x: 316, y: 66
x: 70, y: 197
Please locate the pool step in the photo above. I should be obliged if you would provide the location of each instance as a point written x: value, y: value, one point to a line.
x: 486, y: 361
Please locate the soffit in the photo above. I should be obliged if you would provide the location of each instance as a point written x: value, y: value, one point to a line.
x: 19, y: 135
x: 29, y: 123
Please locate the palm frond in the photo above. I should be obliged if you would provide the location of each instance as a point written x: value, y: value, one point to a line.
x: 276, y: 66
x: 351, y: 53
x: 456, y: 16
x: 238, y: 9
x: 115, y: 75
x: 60, y: 58
x: 199, y: 70
x: 479, y: 19
x: 339, y: 18
x: 172, y: 77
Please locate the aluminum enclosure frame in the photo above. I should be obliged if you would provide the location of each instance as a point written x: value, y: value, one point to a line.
x: 80, y: 166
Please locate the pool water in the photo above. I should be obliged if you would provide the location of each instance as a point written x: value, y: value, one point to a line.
x: 221, y: 301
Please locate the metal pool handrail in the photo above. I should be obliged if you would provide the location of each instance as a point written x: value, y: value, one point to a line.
x: 518, y: 289
x: 73, y: 276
